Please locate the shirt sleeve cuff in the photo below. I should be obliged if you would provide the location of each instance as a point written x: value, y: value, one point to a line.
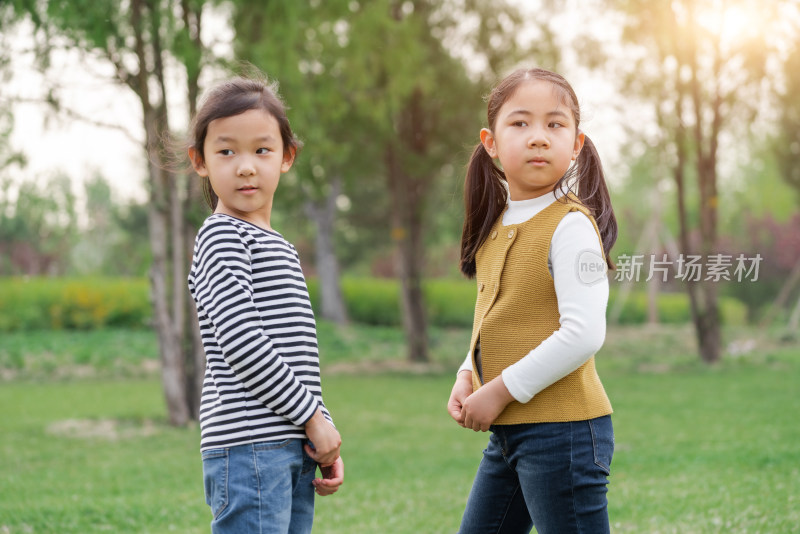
x: 515, y: 388
x: 307, y: 413
x: 467, y: 365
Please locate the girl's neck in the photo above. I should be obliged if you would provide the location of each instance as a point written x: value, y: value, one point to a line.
x: 260, y: 221
x: 520, y: 211
x: 546, y: 198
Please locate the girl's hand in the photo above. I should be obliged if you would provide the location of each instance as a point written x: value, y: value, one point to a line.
x: 325, y: 438
x: 332, y: 478
x: 461, y: 390
x: 484, y: 406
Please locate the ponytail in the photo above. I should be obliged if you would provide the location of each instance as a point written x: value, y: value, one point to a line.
x: 485, y: 198
x: 587, y: 177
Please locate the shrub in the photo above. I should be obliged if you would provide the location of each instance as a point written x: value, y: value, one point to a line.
x: 451, y: 303
x: 85, y: 303
x: 674, y: 308
x: 372, y: 300
x: 376, y: 301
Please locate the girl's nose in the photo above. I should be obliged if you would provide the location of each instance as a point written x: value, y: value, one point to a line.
x: 538, y: 139
x: 246, y: 168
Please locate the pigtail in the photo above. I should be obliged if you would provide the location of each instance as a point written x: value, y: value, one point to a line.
x: 589, y: 180
x: 485, y: 198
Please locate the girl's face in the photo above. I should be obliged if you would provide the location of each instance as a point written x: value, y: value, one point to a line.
x: 535, y: 138
x: 244, y: 159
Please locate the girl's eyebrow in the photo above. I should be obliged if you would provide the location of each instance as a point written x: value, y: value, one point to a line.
x: 525, y: 112
x: 229, y: 139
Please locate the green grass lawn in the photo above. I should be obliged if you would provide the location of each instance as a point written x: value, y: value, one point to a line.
x: 699, y: 449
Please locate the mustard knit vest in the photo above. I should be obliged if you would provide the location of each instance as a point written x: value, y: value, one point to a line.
x: 517, y: 309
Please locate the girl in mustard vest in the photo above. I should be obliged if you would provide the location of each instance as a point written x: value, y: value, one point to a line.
x: 536, y: 238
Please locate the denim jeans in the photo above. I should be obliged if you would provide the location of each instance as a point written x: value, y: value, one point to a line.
x: 552, y: 476
x: 260, y: 488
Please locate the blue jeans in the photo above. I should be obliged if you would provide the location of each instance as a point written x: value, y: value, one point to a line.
x: 549, y: 475
x: 260, y: 488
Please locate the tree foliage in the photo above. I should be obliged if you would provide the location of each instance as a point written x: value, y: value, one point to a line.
x: 701, y: 77
x: 787, y: 142
x: 141, y: 39
x: 38, y: 224
x: 386, y: 108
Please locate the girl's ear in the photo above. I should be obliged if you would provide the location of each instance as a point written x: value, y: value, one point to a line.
x: 197, y: 162
x: 487, y: 140
x: 579, y: 139
x: 288, y: 159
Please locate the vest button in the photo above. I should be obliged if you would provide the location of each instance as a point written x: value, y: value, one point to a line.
x: 494, y: 234
x: 510, y: 234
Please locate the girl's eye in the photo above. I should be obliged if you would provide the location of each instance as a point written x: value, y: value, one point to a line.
x: 263, y: 150
x: 555, y: 125
x: 226, y: 152
x: 520, y: 123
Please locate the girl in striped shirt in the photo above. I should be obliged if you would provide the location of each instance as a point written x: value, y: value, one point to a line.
x: 264, y: 426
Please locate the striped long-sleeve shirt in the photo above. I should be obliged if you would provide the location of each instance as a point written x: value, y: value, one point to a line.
x: 262, y: 379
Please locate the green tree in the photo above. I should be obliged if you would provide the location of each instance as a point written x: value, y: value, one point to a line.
x: 702, y: 72
x: 377, y: 95
x: 138, y: 39
x: 424, y: 101
x: 302, y: 45
x: 787, y: 143
x: 38, y: 225
x: 113, y: 240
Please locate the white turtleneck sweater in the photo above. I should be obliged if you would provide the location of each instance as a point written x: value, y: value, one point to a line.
x: 582, y: 307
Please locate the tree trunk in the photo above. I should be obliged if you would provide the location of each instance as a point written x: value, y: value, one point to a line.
x: 155, y: 122
x: 323, y: 213
x: 195, y: 364
x: 654, y: 287
x: 406, y: 216
x: 702, y: 293
x: 783, y: 295
x: 708, y: 322
x: 193, y: 351
x: 683, y: 219
x: 794, y: 318
x: 170, y: 350
x: 652, y: 300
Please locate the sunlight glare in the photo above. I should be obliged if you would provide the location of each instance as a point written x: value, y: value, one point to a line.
x: 734, y: 23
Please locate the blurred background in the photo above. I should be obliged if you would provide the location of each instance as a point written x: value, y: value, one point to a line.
x: 694, y: 106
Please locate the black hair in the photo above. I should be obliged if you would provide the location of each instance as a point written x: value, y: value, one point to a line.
x: 233, y: 97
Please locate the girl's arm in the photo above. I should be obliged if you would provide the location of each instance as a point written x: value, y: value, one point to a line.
x: 583, y: 314
x: 223, y: 290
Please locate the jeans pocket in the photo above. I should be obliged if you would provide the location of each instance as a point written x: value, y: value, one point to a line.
x: 271, y: 445
x: 602, y: 442
x: 215, y: 479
